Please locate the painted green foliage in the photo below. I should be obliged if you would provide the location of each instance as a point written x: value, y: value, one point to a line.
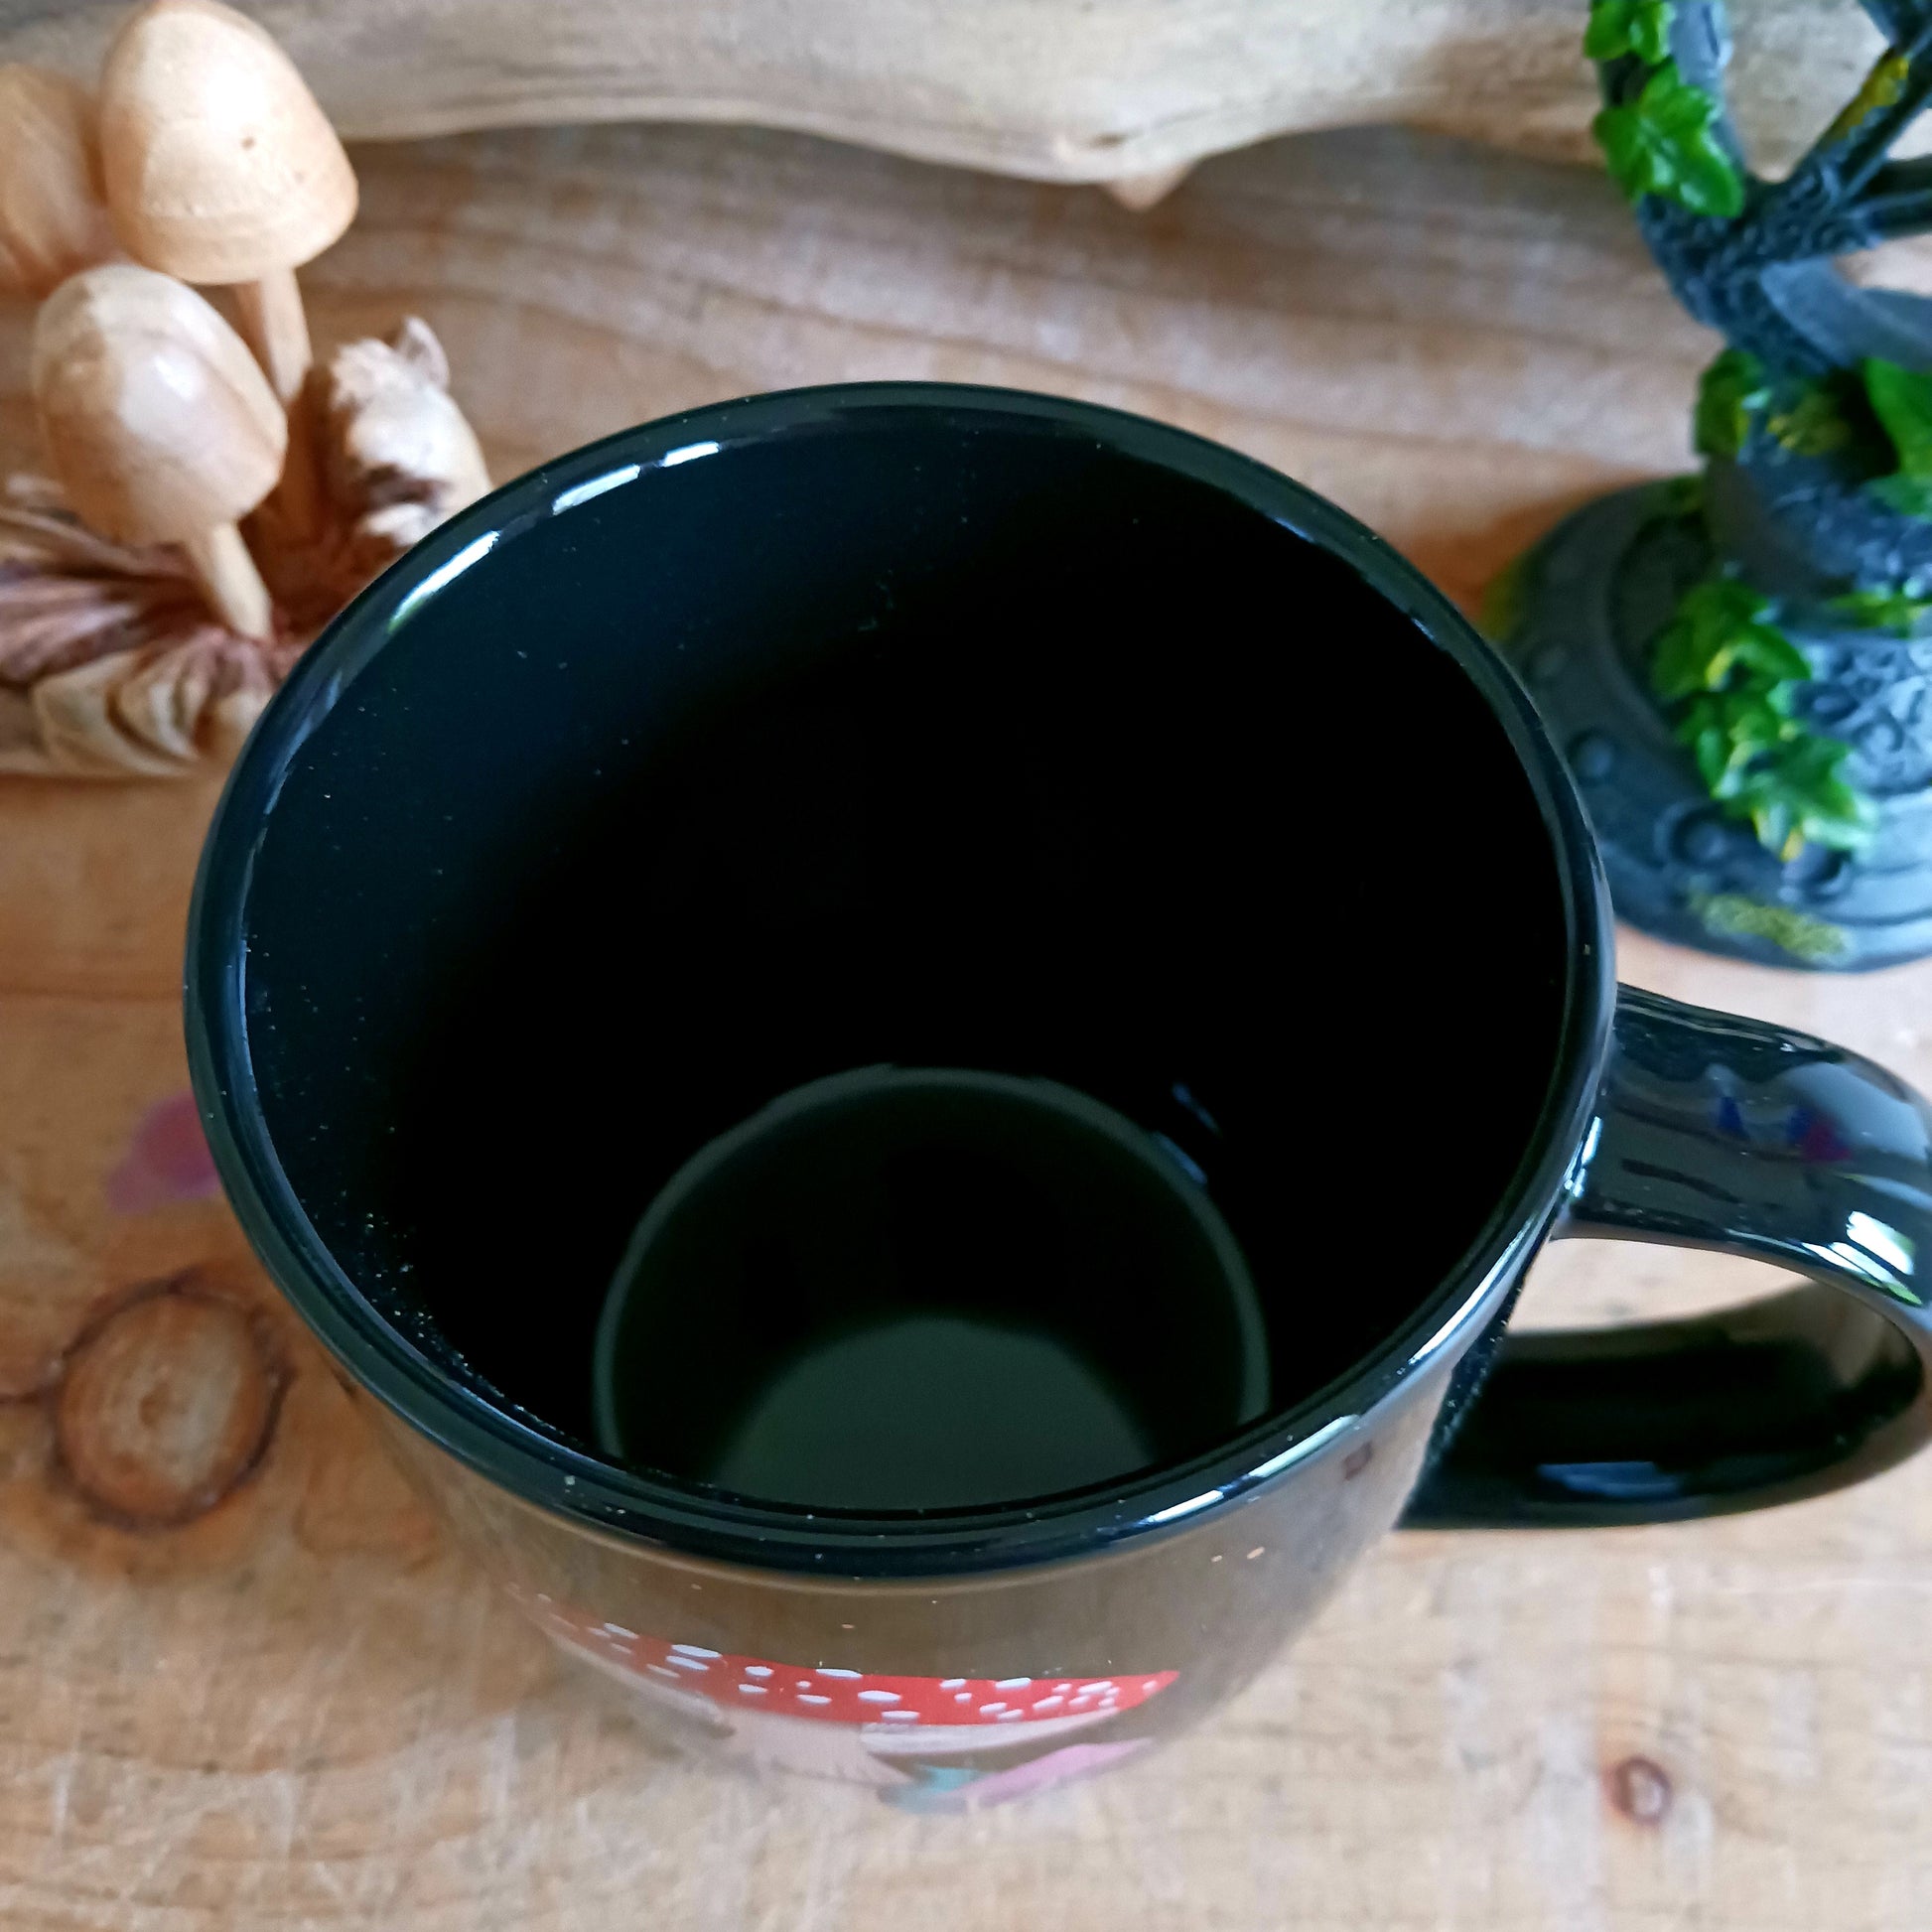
x: 1884, y: 86
x: 1798, y: 933
x: 1503, y: 599
x: 1662, y: 140
x: 1807, y: 421
x: 1727, y: 671
x: 1897, y: 607
x: 1723, y: 628
x: 1901, y: 399
x: 1732, y: 675
x: 1639, y: 27
x: 1662, y: 143
x: 1802, y: 414
x: 1729, y: 392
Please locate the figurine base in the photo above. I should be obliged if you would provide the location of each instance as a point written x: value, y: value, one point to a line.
x: 1590, y: 599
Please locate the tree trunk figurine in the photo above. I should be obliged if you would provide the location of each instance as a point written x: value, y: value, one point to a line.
x: 1739, y: 665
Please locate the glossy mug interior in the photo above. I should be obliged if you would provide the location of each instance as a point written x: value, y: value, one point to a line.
x: 890, y: 769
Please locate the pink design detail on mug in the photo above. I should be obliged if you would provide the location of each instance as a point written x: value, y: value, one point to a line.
x: 981, y: 1791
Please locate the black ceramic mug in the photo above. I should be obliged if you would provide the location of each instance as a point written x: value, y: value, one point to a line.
x: 960, y: 743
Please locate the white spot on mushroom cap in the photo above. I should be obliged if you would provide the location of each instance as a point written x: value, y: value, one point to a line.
x: 806, y: 1697
x: 951, y: 1683
x: 682, y: 1649
x: 757, y: 1670
x: 1012, y: 1682
x: 826, y: 1671
x: 1007, y: 1716
x: 686, y: 1663
x: 1049, y: 1703
x: 879, y: 1696
x: 901, y: 1717
x: 754, y: 1689
x: 618, y: 1630
x: 987, y: 1710
x: 962, y: 1697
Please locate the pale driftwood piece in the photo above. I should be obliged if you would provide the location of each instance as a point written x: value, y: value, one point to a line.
x: 1053, y: 89
x: 220, y: 167
x: 53, y: 219
x: 159, y: 424
x: 1139, y: 193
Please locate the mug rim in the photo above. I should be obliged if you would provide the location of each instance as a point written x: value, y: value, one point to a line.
x: 543, y: 1468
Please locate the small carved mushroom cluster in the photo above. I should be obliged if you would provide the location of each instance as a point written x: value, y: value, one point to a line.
x: 215, y: 498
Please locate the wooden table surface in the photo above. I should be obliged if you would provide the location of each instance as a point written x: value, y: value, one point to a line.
x: 245, y: 1683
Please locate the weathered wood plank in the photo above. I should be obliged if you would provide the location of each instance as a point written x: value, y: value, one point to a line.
x: 301, y: 1709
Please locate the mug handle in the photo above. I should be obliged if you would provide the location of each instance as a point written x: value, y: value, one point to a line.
x: 1716, y: 1132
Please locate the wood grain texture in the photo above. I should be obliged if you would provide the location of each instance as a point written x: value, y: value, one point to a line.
x: 298, y: 1709
x: 1054, y: 90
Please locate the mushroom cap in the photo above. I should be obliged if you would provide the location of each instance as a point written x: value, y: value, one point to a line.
x: 896, y: 1715
x: 53, y: 221
x: 219, y: 165
x: 157, y: 419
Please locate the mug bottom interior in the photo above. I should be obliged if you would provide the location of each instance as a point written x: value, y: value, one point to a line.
x: 904, y: 1286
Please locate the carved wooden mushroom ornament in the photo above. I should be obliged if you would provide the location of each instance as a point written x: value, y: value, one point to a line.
x: 160, y: 425
x: 112, y: 665
x: 220, y: 167
x: 53, y: 219
x: 212, y: 162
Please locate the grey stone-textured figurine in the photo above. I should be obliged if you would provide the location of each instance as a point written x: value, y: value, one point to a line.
x: 1740, y: 666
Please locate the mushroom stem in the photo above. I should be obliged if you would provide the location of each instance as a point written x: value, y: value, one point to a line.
x: 276, y: 327
x: 228, y: 575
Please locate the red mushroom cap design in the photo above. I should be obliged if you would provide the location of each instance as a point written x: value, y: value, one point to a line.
x: 910, y: 1714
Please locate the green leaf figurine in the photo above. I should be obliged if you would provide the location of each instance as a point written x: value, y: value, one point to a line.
x: 1897, y: 607
x: 1728, y: 392
x: 1638, y: 26
x: 1661, y: 143
x: 1723, y: 628
x: 1901, y: 399
x: 1735, y: 674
